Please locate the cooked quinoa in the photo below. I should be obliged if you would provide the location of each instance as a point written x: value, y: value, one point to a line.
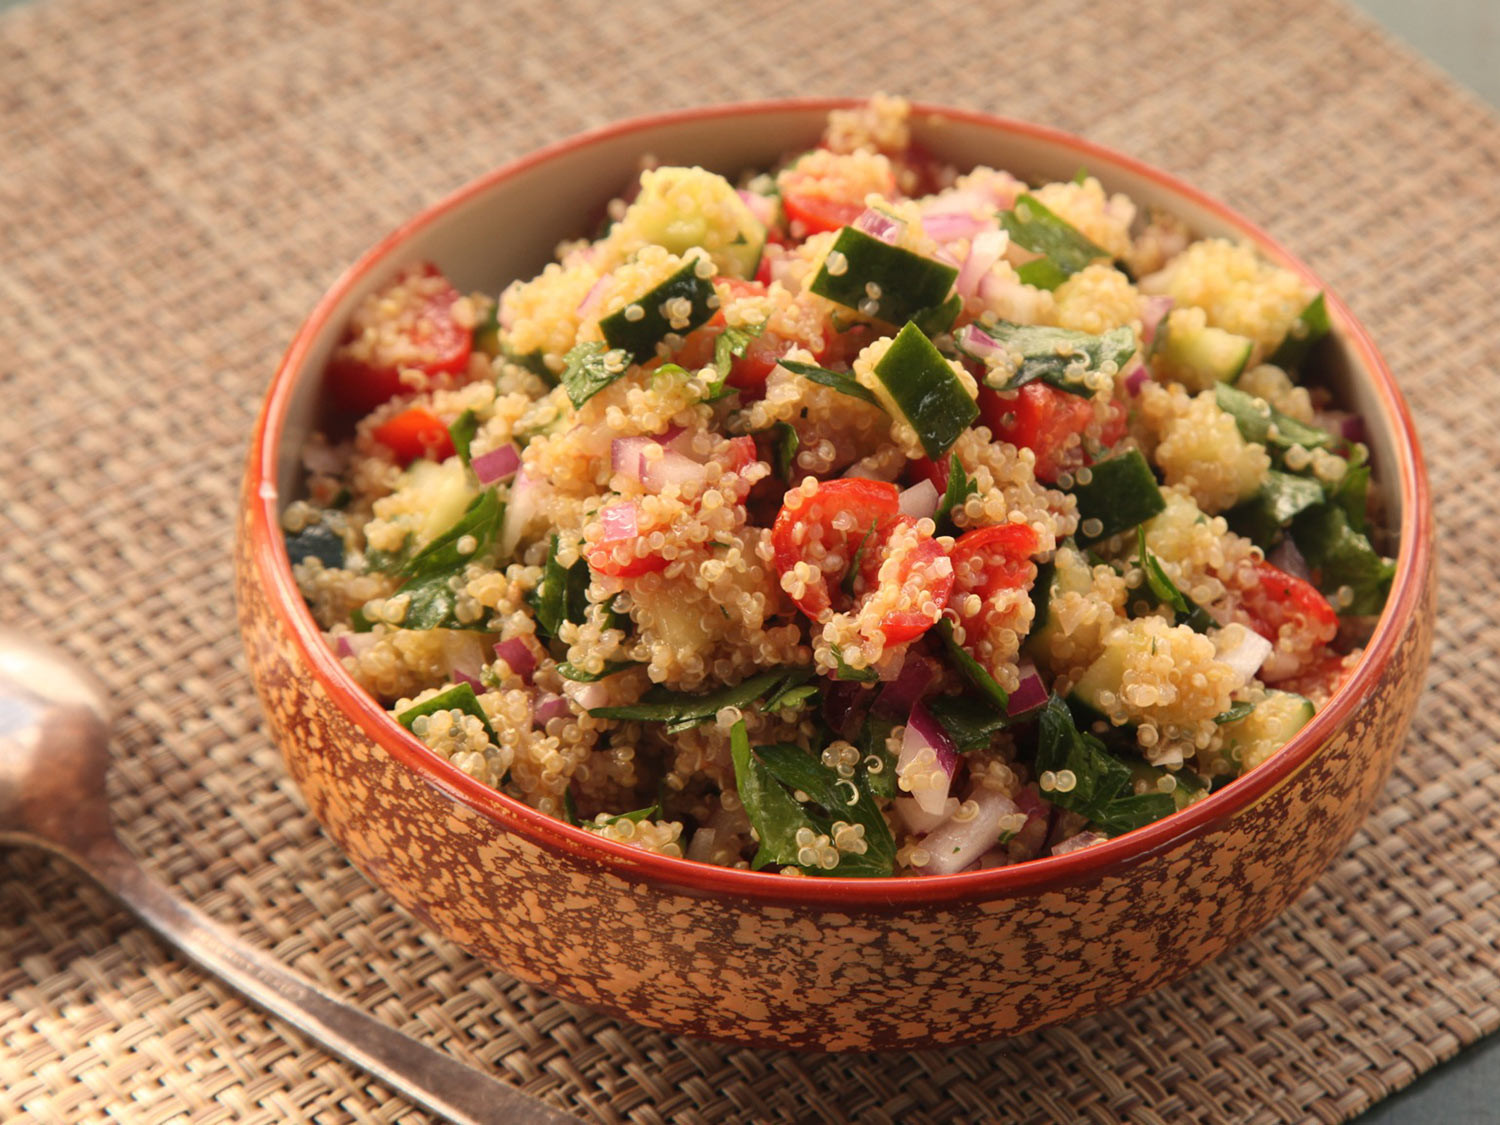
x: 866, y: 516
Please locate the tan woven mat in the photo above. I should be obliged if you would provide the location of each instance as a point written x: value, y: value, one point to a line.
x: 178, y: 182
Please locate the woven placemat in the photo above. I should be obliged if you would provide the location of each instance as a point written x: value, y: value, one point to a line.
x: 178, y: 182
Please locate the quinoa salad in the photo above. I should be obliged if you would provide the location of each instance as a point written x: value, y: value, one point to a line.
x: 858, y: 516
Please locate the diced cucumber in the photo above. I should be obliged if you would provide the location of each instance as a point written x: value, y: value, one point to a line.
x: 1310, y: 327
x: 679, y: 208
x: 1121, y: 492
x: 921, y: 389
x: 1195, y: 354
x: 881, y: 282
x: 638, y: 337
x: 1266, y: 729
x: 1068, y: 572
x: 1107, y: 672
x: 440, y: 492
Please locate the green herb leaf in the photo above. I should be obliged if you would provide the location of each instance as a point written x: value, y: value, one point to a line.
x: 462, y: 431
x: 459, y: 697
x: 843, y: 383
x: 1341, y: 556
x: 847, y: 582
x: 1059, y: 357
x: 1187, y: 612
x: 480, y: 521
x: 590, y: 368
x: 1102, y: 790
x: 785, y: 444
x: 687, y: 709
x: 791, y: 696
x: 570, y: 671
x: 1281, y: 498
x: 570, y: 809
x: 1310, y: 327
x: 388, y: 562
x: 940, y: 318
x: 432, y: 602
x: 562, y: 594
x: 319, y: 541
x: 1035, y: 227
x: 971, y: 721
x: 958, y: 490
x: 837, y: 798
x: 876, y: 758
x: 634, y: 817
x: 774, y: 814
x: 1234, y: 714
x: 487, y: 332
x: 728, y: 347
x: 843, y: 671
x: 1352, y: 490
x: 970, y: 668
x: 1258, y: 421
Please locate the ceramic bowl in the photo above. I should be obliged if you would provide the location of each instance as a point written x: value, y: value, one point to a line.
x: 755, y: 957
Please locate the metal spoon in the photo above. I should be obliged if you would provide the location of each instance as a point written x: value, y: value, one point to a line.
x: 54, y: 754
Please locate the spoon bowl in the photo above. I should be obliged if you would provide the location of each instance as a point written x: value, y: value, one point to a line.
x: 54, y: 760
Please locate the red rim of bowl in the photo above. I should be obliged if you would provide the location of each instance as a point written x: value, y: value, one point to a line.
x: 893, y: 892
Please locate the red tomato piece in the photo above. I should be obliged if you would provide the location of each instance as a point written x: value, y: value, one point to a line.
x: 1114, y: 425
x: 923, y: 468
x: 986, y: 561
x: 848, y: 516
x: 415, y: 433
x: 818, y: 213
x: 1042, y: 419
x: 611, y: 559
x: 1279, y: 599
x: 366, y: 369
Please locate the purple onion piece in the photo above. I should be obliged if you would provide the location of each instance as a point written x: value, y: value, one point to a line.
x: 462, y: 677
x: 979, y: 343
x: 947, y: 226
x: 918, y: 674
x: 620, y: 521
x: 517, y: 657
x: 496, y: 465
x: 877, y: 224
x: 984, y: 252
x: 1286, y: 557
x: 1136, y: 380
x: 1153, y: 310
x: 1079, y: 842
x: 920, y: 501
x: 1030, y: 694
x: 549, y: 707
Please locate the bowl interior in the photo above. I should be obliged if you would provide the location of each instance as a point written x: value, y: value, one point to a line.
x: 507, y: 225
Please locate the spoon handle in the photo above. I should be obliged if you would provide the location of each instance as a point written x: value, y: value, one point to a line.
x: 436, y: 1081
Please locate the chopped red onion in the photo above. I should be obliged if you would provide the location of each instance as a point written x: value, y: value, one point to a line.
x: 918, y: 819
x: 1030, y: 694
x: 520, y: 509
x: 920, y: 501
x: 496, y: 465
x: 620, y: 522
x: 672, y: 468
x: 1350, y: 427
x: 984, y: 252
x: 517, y: 657
x: 1079, y: 842
x: 923, y: 732
x: 549, y: 707
x: 955, y: 844
x: 592, y: 298
x: 948, y: 226
x: 587, y: 696
x: 1136, y: 380
x: 627, y: 455
x: 918, y: 674
x: 462, y: 677
x: 1244, y: 650
x: 877, y: 224
x: 1286, y: 557
x: 1153, y: 309
x: 351, y: 644
x: 979, y: 343
x: 763, y: 207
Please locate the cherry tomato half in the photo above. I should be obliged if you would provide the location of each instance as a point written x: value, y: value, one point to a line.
x: 415, y: 433
x: 1042, y: 419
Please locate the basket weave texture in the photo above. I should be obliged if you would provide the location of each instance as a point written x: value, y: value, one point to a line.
x: 178, y: 183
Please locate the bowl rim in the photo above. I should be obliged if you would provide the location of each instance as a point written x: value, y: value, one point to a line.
x: 1114, y: 856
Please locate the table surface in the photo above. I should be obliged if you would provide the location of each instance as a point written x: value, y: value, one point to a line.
x: 140, y: 1003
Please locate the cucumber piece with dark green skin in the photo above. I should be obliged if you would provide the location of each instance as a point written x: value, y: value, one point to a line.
x: 1120, y: 494
x: 879, y: 281
x: 922, y: 390
x: 1198, y: 356
x: 1268, y: 727
x: 638, y: 337
x: 1310, y: 327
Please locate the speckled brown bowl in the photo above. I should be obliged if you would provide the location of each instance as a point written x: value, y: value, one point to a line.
x: 758, y: 958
